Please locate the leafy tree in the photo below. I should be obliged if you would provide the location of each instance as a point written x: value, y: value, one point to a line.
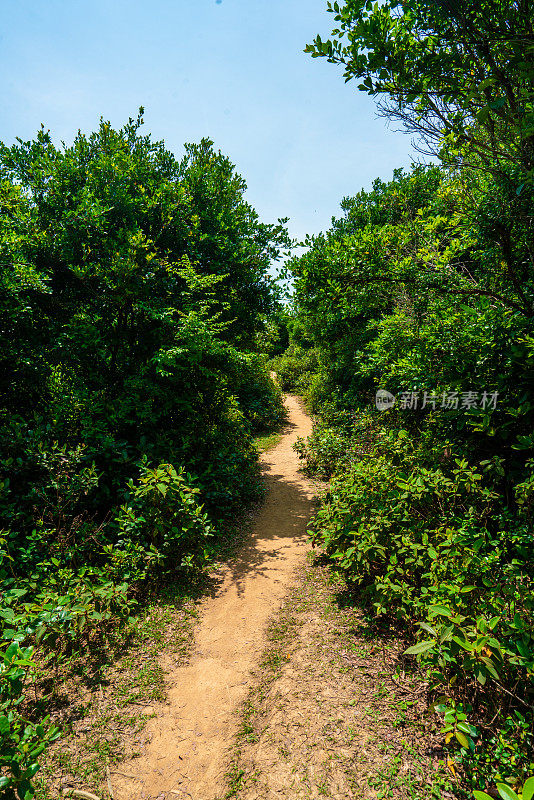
x: 134, y: 288
x: 426, y: 285
x: 430, y: 509
x: 453, y: 72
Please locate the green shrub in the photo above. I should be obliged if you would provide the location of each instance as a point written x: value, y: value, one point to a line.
x: 324, y: 451
x: 438, y: 549
x: 133, y: 289
x: 21, y: 741
x: 295, y: 368
x: 526, y: 792
x: 162, y: 524
x: 258, y: 396
x: 338, y: 440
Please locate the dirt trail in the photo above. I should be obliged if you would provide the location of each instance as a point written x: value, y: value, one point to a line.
x: 190, y: 737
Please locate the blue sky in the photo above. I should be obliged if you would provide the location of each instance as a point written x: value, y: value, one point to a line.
x: 232, y: 70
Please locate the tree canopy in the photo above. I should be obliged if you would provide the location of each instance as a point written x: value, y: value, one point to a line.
x: 451, y: 71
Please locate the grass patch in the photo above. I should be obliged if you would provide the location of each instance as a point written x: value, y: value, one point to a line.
x: 267, y: 441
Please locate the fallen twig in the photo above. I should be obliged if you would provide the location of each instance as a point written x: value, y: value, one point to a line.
x: 108, y: 779
x: 83, y: 795
x: 125, y: 775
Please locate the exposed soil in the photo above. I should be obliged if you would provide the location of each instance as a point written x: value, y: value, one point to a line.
x: 334, y: 709
x: 272, y: 686
x: 189, y: 737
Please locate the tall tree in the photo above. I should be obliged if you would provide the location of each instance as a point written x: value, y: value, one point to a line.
x: 452, y: 71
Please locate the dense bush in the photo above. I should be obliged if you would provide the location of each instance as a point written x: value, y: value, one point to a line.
x: 295, y: 368
x: 161, y: 522
x: 424, y: 288
x: 435, y: 547
x: 258, y: 395
x: 134, y: 289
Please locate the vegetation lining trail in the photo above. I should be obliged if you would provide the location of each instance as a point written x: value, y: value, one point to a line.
x: 190, y: 737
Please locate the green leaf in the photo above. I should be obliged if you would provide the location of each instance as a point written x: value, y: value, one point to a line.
x: 440, y: 611
x: 32, y: 770
x: 490, y: 667
x: 481, y: 795
x: 468, y: 729
x: 506, y: 792
x: 12, y: 651
x: 481, y: 677
x: 420, y: 647
x: 528, y: 789
x: 427, y: 628
x: 464, y: 643
x: 462, y: 738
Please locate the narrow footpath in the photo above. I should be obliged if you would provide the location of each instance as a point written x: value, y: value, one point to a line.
x: 189, y: 739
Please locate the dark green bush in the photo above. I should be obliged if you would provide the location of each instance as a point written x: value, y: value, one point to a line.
x: 258, y: 396
x: 324, y: 452
x: 295, y: 368
x: 438, y: 549
x: 134, y: 289
x: 161, y: 524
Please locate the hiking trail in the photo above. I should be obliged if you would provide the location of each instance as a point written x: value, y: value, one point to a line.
x: 191, y: 735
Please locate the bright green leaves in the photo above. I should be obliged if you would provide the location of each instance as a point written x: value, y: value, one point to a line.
x: 457, y: 727
x: 442, y: 72
x: 420, y: 647
x: 467, y: 588
x: 507, y: 793
x: 162, y: 525
x: 528, y: 789
x: 21, y: 741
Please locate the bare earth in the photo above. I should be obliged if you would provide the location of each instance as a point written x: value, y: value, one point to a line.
x: 190, y: 736
x: 329, y: 715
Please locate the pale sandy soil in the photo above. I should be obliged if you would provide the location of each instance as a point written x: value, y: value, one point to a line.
x: 190, y: 736
x: 330, y: 716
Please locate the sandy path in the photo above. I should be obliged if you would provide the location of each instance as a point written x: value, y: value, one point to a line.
x: 191, y: 735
